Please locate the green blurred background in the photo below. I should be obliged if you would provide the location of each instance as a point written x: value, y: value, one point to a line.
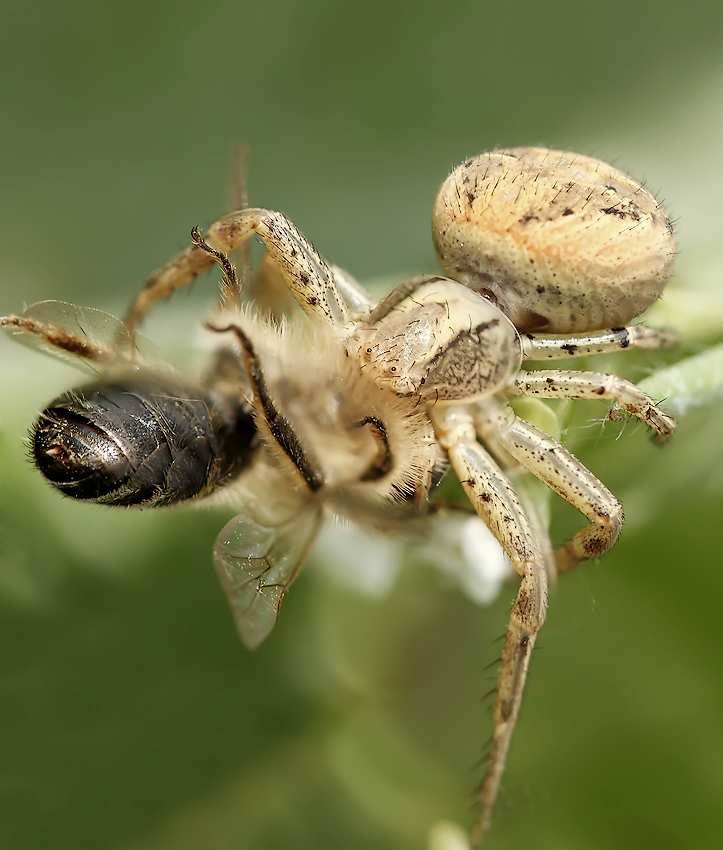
x: 130, y: 715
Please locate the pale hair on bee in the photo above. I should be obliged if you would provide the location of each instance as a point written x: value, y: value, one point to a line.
x: 359, y: 409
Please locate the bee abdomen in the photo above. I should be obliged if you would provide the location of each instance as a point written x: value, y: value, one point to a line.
x: 145, y: 442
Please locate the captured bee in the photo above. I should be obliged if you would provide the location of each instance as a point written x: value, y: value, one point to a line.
x: 357, y: 408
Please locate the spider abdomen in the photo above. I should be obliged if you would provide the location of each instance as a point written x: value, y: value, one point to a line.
x: 562, y: 242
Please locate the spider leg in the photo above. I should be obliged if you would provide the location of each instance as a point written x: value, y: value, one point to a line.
x: 80, y: 335
x: 57, y: 338
x: 356, y: 297
x: 495, y: 500
x: 306, y: 273
x: 553, y: 464
x: 238, y: 199
x: 596, y: 385
x: 557, y: 347
x: 266, y: 289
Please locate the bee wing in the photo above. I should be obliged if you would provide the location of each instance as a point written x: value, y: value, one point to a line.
x: 256, y: 564
x: 80, y: 335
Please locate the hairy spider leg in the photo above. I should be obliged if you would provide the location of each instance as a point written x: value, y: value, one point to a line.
x: 496, y: 502
x: 307, y: 274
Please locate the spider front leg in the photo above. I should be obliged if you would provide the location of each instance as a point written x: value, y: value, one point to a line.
x: 80, y: 334
x: 305, y: 271
x: 596, y: 385
x: 552, y: 463
x: 494, y: 499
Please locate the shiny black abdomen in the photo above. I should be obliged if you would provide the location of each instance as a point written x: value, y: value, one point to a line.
x: 142, y: 441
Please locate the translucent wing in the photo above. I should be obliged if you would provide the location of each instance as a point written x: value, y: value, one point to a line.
x: 256, y: 564
x: 80, y: 335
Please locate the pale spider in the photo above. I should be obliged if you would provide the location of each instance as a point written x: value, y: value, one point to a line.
x: 359, y: 410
